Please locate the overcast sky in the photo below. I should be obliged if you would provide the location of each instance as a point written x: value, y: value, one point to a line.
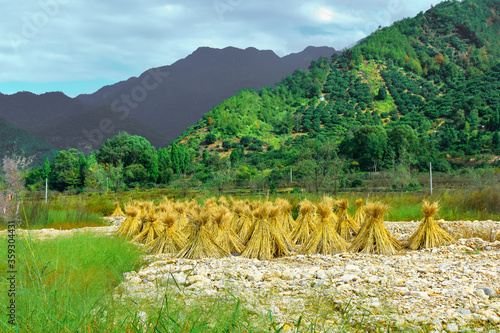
x: 77, y: 46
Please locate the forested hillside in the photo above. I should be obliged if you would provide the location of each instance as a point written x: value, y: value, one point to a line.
x: 15, y: 141
x: 425, y: 89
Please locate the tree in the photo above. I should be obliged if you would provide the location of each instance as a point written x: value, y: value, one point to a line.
x: 210, y: 138
x: 127, y: 150
x: 226, y: 145
x: 66, y: 170
x: 382, y: 94
x: 46, y: 169
x: 246, y: 140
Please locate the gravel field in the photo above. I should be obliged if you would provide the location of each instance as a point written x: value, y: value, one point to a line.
x: 449, y: 289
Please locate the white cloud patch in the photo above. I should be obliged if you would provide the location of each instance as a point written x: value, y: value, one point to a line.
x: 77, y: 40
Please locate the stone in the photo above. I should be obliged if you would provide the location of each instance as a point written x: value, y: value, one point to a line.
x: 494, y: 320
x: 136, y: 280
x: 487, y: 291
x: 321, y: 275
x: 373, y: 279
x: 481, y: 294
x: 348, y: 278
x: 451, y: 328
x: 256, y: 277
x: 464, y: 311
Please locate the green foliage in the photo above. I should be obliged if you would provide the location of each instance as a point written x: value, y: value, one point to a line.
x: 210, y: 138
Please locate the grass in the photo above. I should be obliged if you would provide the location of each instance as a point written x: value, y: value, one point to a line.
x: 63, y: 282
x: 56, y: 215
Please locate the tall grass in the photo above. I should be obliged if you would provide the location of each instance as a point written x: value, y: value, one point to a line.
x: 38, y: 215
x: 63, y: 283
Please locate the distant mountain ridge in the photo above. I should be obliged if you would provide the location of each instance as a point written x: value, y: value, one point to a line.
x: 159, y: 104
x: 194, y: 85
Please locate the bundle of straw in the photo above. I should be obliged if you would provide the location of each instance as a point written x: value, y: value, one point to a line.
x: 200, y: 242
x: 325, y: 239
x: 118, y: 211
x: 359, y: 216
x: 171, y: 239
x: 224, y: 234
x: 373, y: 236
x: 345, y: 226
x: 135, y: 226
x: 242, y: 221
x: 285, y: 218
x: 429, y: 233
x: 305, y: 224
x: 130, y: 220
x: 264, y: 241
x: 151, y: 229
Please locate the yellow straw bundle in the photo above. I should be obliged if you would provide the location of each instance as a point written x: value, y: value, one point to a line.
x: 429, y: 233
x: 200, y: 242
x: 325, y: 239
x: 346, y: 227
x: 305, y: 224
x: 373, y: 236
x: 118, y: 211
x: 171, y: 240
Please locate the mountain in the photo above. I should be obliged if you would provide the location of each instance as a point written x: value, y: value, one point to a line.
x: 16, y: 141
x: 172, y: 98
x: 159, y: 104
x: 426, y: 89
x: 86, y: 131
x: 30, y: 111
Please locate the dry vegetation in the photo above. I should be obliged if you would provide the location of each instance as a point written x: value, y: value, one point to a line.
x: 266, y: 229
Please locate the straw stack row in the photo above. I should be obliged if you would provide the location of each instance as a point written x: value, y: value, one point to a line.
x: 266, y: 230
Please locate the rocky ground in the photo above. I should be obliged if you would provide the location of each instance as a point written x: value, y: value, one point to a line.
x: 449, y: 289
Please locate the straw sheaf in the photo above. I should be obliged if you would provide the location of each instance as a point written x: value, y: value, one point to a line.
x: 171, y: 240
x: 346, y: 226
x: 151, y: 229
x: 225, y: 235
x: 201, y: 242
x: 118, y: 211
x: 132, y: 212
x: 429, y: 234
x: 305, y: 223
x: 373, y: 236
x: 359, y: 216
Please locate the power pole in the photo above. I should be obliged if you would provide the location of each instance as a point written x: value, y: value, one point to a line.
x: 430, y: 172
x: 291, y: 175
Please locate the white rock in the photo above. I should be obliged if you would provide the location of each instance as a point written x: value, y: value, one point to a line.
x: 256, y: 277
x: 348, y: 278
x: 136, y: 280
x: 494, y: 319
x: 451, y: 328
x: 352, y: 268
x: 321, y: 275
x: 373, y: 279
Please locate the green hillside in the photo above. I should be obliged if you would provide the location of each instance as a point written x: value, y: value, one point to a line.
x: 16, y: 141
x: 426, y: 89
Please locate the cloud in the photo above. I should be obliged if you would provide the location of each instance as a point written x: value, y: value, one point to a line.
x: 58, y: 41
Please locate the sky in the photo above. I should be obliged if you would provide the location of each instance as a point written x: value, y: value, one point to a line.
x: 78, y: 46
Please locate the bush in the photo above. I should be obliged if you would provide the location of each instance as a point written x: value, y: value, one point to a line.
x: 246, y: 140
x: 210, y: 138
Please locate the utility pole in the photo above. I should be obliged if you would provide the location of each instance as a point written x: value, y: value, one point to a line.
x: 46, y: 189
x: 291, y: 175
x: 430, y: 171
x: 107, y: 184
